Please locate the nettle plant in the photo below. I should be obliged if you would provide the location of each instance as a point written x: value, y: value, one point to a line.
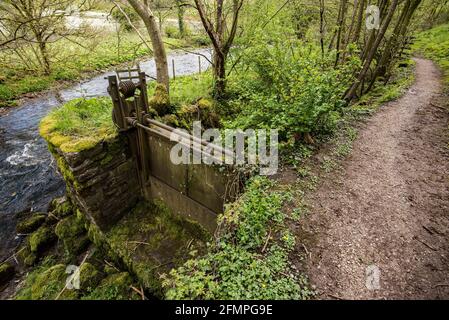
x: 290, y: 86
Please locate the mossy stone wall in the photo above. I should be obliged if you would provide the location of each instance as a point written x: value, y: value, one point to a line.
x: 101, y: 181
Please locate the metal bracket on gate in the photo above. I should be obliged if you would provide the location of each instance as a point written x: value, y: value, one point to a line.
x: 128, y: 90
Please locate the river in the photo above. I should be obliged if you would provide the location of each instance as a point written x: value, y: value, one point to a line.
x: 28, y: 175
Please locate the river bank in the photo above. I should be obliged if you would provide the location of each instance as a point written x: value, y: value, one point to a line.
x: 28, y: 173
x: 10, y: 100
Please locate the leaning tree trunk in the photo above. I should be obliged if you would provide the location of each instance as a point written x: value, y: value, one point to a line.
x: 160, y: 56
x: 394, y: 43
x: 361, y: 77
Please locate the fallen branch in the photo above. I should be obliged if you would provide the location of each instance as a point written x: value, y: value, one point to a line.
x: 190, y: 243
x: 12, y: 257
x: 427, y: 245
x: 266, y: 242
x: 336, y: 297
x: 139, y: 292
x: 65, y: 287
x: 307, y: 251
x: 111, y: 265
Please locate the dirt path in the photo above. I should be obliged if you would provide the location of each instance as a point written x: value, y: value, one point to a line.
x: 388, y: 207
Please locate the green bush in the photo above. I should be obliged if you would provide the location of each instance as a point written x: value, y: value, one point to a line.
x: 121, y: 18
x: 289, y: 87
x: 237, y: 266
x: 172, y: 32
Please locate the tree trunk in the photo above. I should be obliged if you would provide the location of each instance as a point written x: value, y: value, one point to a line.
x: 322, y: 10
x: 358, y: 27
x: 217, y: 35
x: 394, y: 44
x: 219, y: 75
x: 160, y: 56
x: 181, y: 18
x: 351, y: 92
x: 341, y: 28
x: 45, y: 58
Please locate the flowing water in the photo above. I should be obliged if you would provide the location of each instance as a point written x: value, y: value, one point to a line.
x: 28, y: 176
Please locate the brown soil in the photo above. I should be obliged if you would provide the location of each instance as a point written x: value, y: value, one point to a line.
x: 388, y: 206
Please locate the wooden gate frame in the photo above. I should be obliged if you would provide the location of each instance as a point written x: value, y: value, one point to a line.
x: 196, y: 192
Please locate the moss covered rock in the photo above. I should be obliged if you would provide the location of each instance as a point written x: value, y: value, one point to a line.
x: 72, y: 233
x: 171, y: 120
x: 49, y: 285
x: 26, y: 257
x: 41, y: 239
x: 61, y: 207
x: 90, y: 277
x: 205, y: 104
x: 203, y: 110
x: 7, y: 272
x: 31, y: 224
x: 160, y: 101
x: 114, y: 287
x: 79, y: 125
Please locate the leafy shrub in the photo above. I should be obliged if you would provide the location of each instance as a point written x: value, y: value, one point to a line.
x: 201, y: 40
x: 237, y: 267
x: 172, y: 32
x: 121, y: 18
x: 290, y: 88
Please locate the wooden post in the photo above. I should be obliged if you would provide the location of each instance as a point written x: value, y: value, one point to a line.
x: 174, y: 73
x: 118, y: 113
x: 199, y: 64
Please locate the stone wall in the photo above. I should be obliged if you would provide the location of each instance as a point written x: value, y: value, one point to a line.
x: 102, y: 181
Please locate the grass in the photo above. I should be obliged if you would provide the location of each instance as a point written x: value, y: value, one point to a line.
x: 434, y: 44
x: 403, y: 77
x: 186, y: 90
x: 79, y: 124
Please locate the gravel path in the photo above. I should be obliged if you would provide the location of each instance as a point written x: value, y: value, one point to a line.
x: 386, y: 213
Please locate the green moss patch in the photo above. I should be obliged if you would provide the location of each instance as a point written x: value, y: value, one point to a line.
x: 150, y: 242
x: 79, y: 124
x: 72, y: 233
x: 31, y: 224
x: 90, y: 277
x: 61, y: 207
x: 114, y: 287
x: 160, y: 101
x: 47, y: 282
x: 41, y: 239
x: 26, y: 257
